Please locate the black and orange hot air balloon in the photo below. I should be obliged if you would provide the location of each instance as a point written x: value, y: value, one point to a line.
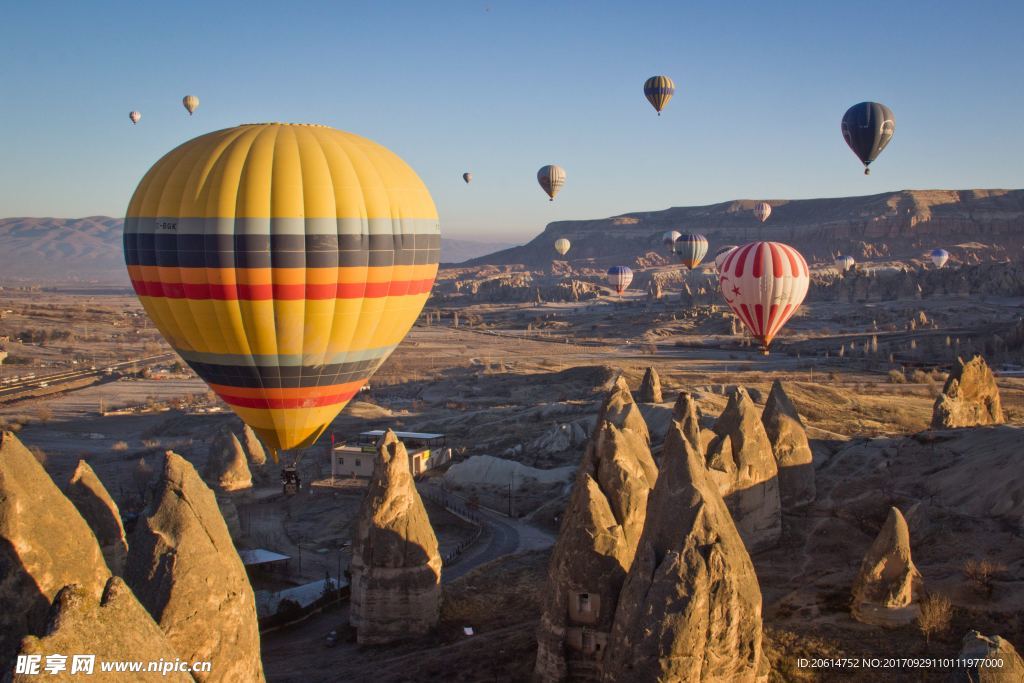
x: 284, y: 263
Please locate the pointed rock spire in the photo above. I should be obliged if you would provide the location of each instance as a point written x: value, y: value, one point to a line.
x: 687, y: 414
x: 888, y: 588
x: 650, y: 387
x: 620, y: 409
x: 396, y: 565
x: 227, y: 465
x: 1004, y: 664
x: 44, y: 545
x: 969, y: 398
x: 792, y: 449
x: 690, y: 608
x: 185, y: 570
x: 100, y: 512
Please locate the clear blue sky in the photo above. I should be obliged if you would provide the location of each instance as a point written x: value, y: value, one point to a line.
x: 501, y: 87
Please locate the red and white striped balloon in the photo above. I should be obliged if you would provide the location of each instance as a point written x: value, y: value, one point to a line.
x: 764, y: 283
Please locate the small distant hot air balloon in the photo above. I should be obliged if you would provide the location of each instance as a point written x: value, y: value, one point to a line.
x: 764, y: 284
x: 669, y: 238
x: 134, y: 116
x: 467, y: 177
x: 721, y: 254
x: 191, y: 103
x: 619, y: 277
x: 844, y: 263
x: 762, y: 210
x: 562, y: 246
x: 939, y: 257
x: 867, y: 128
x: 551, y: 178
x: 659, y: 90
x: 691, y: 248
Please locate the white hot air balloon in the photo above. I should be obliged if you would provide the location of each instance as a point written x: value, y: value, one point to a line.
x: 844, y: 263
x: 191, y: 103
x: 135, y: 117
x: 551, y: 179
x: 762, y: 210
x: 721, y: 254
x: 939, y: 257
x: 669, y: 238
x: 764, y: 284
x: 562, y: 246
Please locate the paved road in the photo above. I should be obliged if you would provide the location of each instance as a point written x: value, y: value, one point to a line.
x: 500, y: 537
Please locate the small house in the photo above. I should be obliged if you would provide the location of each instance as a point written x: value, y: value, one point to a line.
x: 426, y: 451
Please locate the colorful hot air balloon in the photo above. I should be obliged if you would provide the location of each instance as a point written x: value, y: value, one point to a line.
x: 659, y: 90
x: 721, y: 254
x: 191, y: 103
x: 669, y: 238
x: 867, y: 128
x: 562, y: 246
x: 134, y: 116
x: 284, y: 263
x: 762, y: 210
x: 844, y: 263
x: 467, y: 177
x: 939, y: 257
x: 619, y: 277
x: 551, y: 178
x: 691, y: 249
x: 764, y: 283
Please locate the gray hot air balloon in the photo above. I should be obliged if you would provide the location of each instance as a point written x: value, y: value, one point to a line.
x: 467, y: 177
x: 134, y: 116
x: 551, y: 179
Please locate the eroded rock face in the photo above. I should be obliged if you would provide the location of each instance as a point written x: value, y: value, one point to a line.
x: 396, y: 566
x: 114, y: 627
x: 969, y: 398
x: 253, y: 447
x: 620, y: 409
x: 1010, y: 666
x: 888, y: 587
x: 185, y: 570
x: 227, y: 466
x: 792, y: 450
x: 600, y: 530
x: 100, y: 512
x: 44, y: 545
x: 690, y: 608
x: 650, y: 387
x: 687, y: 414
x: 745, y: 472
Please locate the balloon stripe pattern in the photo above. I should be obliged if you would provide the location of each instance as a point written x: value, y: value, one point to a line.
x: 691, y: 249
x: 764, y: 283
x: 284, y: 263
x: 659, y: 90
x: 551, y: 179
x: 619, y: 277
x: 762, y: 211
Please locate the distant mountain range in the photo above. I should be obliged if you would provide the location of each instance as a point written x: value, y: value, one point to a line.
x: 905, y: 224
x: 89, y: 250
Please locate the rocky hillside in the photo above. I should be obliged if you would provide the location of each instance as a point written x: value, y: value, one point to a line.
x: 906, y: 224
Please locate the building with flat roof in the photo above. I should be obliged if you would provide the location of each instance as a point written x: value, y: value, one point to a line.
x: 426, y: 451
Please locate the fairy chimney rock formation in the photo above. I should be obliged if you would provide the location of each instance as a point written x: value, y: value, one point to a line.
x: 253, y: 447
x: 1004, y: 665
x: 690, y: 608
x: 792, y: 450
x: 44, y: 545
x: 650, y: 387
x: 114, y: 627
x: 969, y: 398
x: 888, y: 588
x: 100, y: 512
x: 186, y: 572
x: 741, y: 462
x: 600, y: 530
x: 687, y: 414
x: 227, y: 466
x: 620, y: 409
x: 396, y: 565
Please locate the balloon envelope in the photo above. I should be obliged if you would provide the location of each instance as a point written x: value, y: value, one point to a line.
x: 191, y: 103
x: 691, y: 248
x: 867, y: 128
x: 135, y: 116
x: 551, y: 179
x: 659, y: 90
x: 669, y: 237
x: 721, y: 254
x: 764, y: 283
x: 619, y: 277
x: 562, y: 246
x: 284, y: 263
x: 939, y: 257
x: 762, y: 210
x: 844, y: 263
x: 467, y: 177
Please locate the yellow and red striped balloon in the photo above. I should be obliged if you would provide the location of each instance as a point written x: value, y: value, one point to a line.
x: 284, y: 263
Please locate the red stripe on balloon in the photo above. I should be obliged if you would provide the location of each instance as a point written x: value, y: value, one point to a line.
x: 777, y: 251
x: 279, y: 403
x: 759, y: 259
x: 281, y: 292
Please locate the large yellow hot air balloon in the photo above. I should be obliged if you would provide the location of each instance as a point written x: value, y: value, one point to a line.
x: 284, y: 263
